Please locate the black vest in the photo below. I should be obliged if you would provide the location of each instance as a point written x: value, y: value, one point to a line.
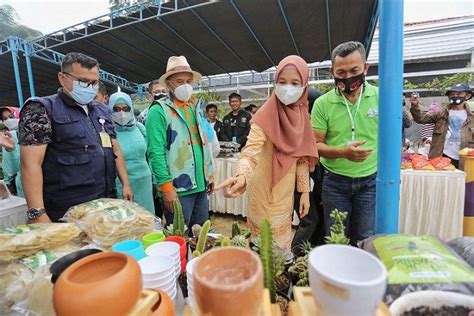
x: 76, y: 168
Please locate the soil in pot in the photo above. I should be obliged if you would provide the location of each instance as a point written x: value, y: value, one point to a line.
x: 210, y: 241
x: 442, y: 311
x: 183, y: 283
x: 284, y: 302
x: 282, y: 282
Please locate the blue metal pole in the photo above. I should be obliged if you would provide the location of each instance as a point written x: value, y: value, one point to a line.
x: 16, y: 69
x: 29, y: 70
x: 390, y: 115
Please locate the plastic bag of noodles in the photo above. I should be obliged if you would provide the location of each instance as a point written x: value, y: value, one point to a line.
x: 419, y: 263
x: 108, y: 221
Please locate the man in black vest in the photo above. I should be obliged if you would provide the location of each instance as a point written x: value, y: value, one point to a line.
x: 69, y: 152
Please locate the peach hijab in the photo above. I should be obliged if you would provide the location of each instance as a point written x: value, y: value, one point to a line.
x: 288, y: 126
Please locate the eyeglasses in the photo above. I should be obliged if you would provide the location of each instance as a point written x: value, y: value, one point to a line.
x: 124, y: 109
x: 84, y: 83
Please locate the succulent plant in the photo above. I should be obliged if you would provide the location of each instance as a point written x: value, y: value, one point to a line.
x: 178, y: 228
x: 201, y: 244
x: 337, y: 234
x: 266, y: 256
x: 239, y: 241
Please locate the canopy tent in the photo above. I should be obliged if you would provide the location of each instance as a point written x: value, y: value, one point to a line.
x: 216, y: 37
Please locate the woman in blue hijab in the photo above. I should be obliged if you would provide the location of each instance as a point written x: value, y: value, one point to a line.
x: 131, y: 136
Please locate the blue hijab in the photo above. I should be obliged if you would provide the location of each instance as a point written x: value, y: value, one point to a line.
x: 122, y: 98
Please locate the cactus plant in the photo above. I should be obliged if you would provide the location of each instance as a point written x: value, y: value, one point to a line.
x: 202, y: 239
x: 337, y: 235
x: 235, y: 229
x: 239, y: 241
x: 266, y: 256
x: 178, y: 228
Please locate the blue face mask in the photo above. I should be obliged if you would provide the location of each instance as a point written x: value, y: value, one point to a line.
x: 82, y: 95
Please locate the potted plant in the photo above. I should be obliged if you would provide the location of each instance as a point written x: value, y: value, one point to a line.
x: 299, y: 270
x: 267, y: 251
x: 209, y: 241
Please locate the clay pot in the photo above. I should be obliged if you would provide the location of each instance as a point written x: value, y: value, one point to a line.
x: 228, y: 281
x: 107, y: 283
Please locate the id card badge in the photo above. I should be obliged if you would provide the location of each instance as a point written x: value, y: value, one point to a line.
x: 105, y: 139
x: 351, y: 142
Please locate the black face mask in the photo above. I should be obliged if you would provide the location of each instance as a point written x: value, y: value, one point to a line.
x: 158, y: 96
x: 456, y: 100
x: 350, y: 85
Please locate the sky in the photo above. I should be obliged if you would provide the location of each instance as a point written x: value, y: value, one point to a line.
x: 52, y: 15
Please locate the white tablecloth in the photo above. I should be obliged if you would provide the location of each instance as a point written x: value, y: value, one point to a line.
x: 224, y: 169
x: 432, y: 202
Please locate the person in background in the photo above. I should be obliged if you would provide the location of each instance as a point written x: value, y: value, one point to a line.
x: 131, y: 136
x: 68, y: 148
x: 311, y: 226
x: 406, y: 119
x: 427, y: 129
x: 11, y: 154
x: 178, y: 147
x: 211, y: 112
x: 9, y: 112
x: 236, y: 124
x: 280, y: 152
x: 345, y: 124
x: 252, y: 109
x: 453, y: 125
x: 102, y: 95
x: 156, y: 91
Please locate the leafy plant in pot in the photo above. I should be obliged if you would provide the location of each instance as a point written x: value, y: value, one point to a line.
x: 272, y: 264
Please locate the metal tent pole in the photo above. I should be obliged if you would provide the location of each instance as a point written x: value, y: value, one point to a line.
x: 29, y: 70
x: 14, y: 49
x: 390, y: 112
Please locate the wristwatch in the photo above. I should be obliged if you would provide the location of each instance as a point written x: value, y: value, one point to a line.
x: 34, y: 213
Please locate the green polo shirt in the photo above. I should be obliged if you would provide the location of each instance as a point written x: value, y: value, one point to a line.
x: 330, y: 115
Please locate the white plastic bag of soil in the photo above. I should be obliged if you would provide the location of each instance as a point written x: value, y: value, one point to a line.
x: 419, y: 263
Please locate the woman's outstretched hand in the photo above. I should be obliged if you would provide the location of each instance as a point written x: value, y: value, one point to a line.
x: 232, y: 187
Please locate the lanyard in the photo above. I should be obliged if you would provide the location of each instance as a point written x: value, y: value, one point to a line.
x: 352, y: 118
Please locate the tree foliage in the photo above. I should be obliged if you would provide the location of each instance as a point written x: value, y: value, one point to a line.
x: 441, y: 85
x: 10, y: 25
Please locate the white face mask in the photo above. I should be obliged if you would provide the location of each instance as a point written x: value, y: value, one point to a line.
x: 122, y: 118
x: 288, y: 93
x: 11, y: 123
x: 183, y: 92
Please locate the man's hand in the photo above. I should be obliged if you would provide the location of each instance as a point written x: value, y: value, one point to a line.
x: 168, y: 199
x: 414, y: 99
x: 42, y: 219
x: 7, y: 141
x: 210, y: 189
x: 353, y: 153
x: 127, y: 193
x: 233, y: 187
x: 304, y: 204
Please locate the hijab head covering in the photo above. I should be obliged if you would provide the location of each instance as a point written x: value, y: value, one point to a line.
x: 434, y: 107
x: 122, y: 98
x: 13, y: 110
x: 288, y: 126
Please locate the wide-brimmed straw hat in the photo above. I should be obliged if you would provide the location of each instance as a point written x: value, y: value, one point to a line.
x: 177, y: 64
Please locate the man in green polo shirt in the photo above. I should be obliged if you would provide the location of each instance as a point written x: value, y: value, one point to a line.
x: 345, y: 123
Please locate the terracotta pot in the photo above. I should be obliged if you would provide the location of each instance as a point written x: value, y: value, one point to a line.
x: 228, y: 281
x: 107, y: 283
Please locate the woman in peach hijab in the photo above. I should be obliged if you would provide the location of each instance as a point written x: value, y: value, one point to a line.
x: 280, y: 152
